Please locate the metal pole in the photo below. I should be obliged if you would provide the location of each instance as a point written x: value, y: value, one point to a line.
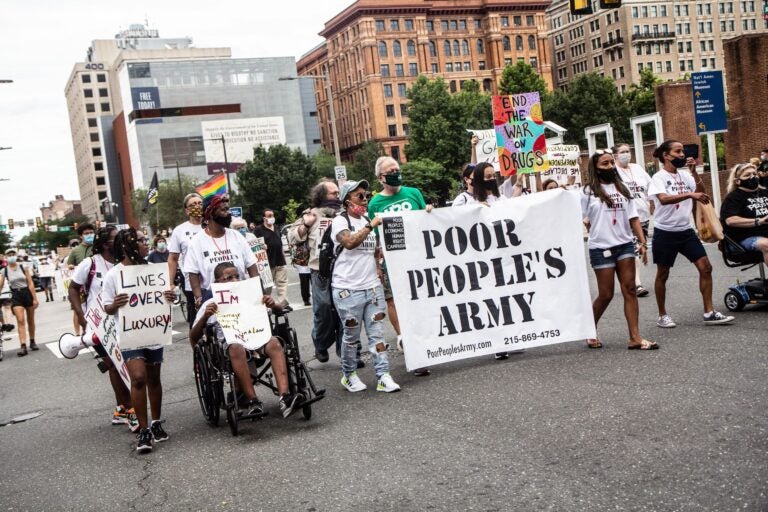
x: 713, y: 170
x: 332, y: 112
x: 226, y: 164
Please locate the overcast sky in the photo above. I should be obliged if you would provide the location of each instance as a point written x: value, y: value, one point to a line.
x: 42, y: 39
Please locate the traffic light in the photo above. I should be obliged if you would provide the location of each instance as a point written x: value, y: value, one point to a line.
x: 38, y: 222
x: 75, y: 226
x: 610, y: 4
x: 579, y: 7
x: 10, y: 223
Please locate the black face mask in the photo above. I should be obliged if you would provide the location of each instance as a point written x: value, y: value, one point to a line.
x: 331, y: 203
x: 764, y: 181
x: 750, y: 183
x: 606, y: 174
x: 393, y: 180
x: 489, y: 184
x: 224, y: 220
x: 678, y: 162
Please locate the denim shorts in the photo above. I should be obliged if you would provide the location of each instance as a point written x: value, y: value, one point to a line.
x: 668, y: 244
x: 149, y: 355
x: 750, y: 243
x: 598, y: 258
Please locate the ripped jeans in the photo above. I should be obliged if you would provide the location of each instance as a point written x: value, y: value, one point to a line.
x: 355, y: 308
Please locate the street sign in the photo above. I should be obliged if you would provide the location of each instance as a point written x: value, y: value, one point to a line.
x: 53, y: 228
x: 341, y: 172
x: 709, y: 102
x: 236, y: 211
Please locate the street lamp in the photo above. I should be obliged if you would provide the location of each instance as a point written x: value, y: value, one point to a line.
x: 6, y: 147
x: 324, y: 77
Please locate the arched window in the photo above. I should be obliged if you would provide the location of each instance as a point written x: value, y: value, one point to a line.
x: 519, y: 43
x: 411, y: 46
x: 432, y: 49
x: 506, y: 43
x: 456, y: 48
x: 465, y: 47
x: 397, y: 50
x: 531, y: 43
x: 382, y: 49
x: 447, y: 48
x: 480, y: 46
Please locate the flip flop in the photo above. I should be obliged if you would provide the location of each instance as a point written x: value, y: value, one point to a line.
x: 644, y: 345
x: 594, y: 343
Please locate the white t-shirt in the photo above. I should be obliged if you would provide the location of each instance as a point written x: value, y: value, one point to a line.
x: 181, y: 236
x: 462, y: 199
x: 205, y: 252
x: 490, y: 199
x: 637, y: 181
x: 355, y: 269
x: 608, y: 226
x: 80, y: 276
x: 110, y: 288
x: 211, y: 321
x: 672, y: 217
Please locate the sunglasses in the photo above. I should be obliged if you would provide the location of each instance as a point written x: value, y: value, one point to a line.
x: 363, y: 195
x: 600, y: 152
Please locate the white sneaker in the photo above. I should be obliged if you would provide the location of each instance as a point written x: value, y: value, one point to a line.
x: 387, y: 384
x: 353, y: 383
x: 666, y: 322
x: 717, y: 318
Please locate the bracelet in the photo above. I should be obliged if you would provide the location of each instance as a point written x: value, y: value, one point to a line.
x: 757, y: 222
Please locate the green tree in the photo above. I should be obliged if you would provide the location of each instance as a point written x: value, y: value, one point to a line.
x: 290, y: 211
x: 521, y: 77
x: 641, y: 97
x: 167, y: 212
x: 50, y: 240
x: 325, y: 163
x: 429, y: 177
x: 364, y: 165
x: 474, y: 107
x: 5, y: 241
x: 275, y: 176
x: 590, y: 100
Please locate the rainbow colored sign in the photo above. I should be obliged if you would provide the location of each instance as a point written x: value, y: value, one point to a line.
x: 519, y: 126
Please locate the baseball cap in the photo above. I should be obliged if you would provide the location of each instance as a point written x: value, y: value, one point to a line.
x: 349, y: 186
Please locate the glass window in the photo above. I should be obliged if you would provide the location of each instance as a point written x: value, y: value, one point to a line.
x: 532, y: 42
x: 385, y: 70
x: 90, y: 107
x: 444, y: 25
x: 413, y: 69
x: 405, y: 130
x: 506, y: 44
x: 387, y: 90
x: 462, y: 24
x: 101, y: 78
x: 430, y: 26
x: 504, y: 21
x: 467, y: 66
x: 449, y: 67
x: 411, y: 47
x: 105, y: 107
x: 519, y: 43
x: 535, y: 62
x: 380, y: 25
x: 518, y: 20
x: 390, y: 110
x: 403, y: 109
x: 408, y: 24
x: 96, y: 151
x: 481, y: 65
x: 478, y: 24
x: 85, y: 78
x: 88, y: 93
x: 465, y: 47
x: 529, y: 20
x: 447, y: 48
x: 402, y: 90
x: 454, y: 25
x: 382, y: 48
x: 399, y: 70
x: 94, y: 137
x: 435, y: 68
x: 92, y: 122
x: 394, y: 25
x: 103, y: 93
x: 397, y: 49
x: 139, y: 70
x: 98, y: 166
x: 456, y: 48
x: 480, y: 46
x: 432, y: 49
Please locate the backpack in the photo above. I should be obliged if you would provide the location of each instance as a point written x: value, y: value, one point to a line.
x: 328, y: 252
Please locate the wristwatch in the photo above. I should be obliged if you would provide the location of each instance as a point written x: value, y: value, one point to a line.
x: 757, y: 221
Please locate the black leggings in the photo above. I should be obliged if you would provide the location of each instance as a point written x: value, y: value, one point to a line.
x: 304, y: 281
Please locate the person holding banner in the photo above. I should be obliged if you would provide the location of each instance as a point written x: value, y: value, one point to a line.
x: 87, y: 281
x: 181, y: 236
x: 607, y: 203
x: 549, y: 184
x: 131, y: 248
x: 674, y: 191
x: 357, y: 291
x: 23, y: 299
x: 215, y: 244
x: 465, y: 196
x: 226, y: 272
x: 637, y: 181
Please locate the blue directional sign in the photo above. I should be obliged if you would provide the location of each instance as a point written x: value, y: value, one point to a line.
x: 236, y: 211
x: 709, y: 102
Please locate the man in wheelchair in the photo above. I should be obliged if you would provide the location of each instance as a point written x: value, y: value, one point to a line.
x: 238, y: 357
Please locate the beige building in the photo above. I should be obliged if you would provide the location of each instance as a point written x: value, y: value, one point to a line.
x: 93, y: 97
x: 670, y: 38
x: 59, y: 208
x: 375, y: 49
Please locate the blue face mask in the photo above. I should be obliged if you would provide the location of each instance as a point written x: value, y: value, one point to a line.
x: 243, y: 231
x: 88, y: 239
x: 11, y: 259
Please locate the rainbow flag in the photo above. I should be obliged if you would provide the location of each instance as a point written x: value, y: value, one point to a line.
x: 213, y: 187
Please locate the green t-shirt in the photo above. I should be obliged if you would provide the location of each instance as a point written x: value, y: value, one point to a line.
x: 406, y: 199
x: 78, y: 254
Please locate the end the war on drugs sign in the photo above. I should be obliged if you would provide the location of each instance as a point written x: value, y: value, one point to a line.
x: 519, y: 125
x: 479, y: 280
x: 146, y: 319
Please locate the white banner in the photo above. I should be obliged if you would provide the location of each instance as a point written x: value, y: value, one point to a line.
x: 45, y: 270
x: 487, y: 149
x: 563, y: 163
x: 478, y: 280
x: 259, y: 249
x: 241, y: 313
x: 240, y: 136
x: 103, y: 327
x: 146, y: 319
x: 62, y: 278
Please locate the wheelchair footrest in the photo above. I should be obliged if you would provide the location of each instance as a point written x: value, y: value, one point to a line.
x: 241, y: 415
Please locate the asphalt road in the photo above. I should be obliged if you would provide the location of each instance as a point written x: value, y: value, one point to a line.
x: 684, y: 428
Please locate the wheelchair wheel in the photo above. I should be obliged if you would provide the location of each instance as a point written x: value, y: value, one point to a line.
x: 207, y: 391
x: 306, y: 411
x: 733, y: 301
x: 232, y: 419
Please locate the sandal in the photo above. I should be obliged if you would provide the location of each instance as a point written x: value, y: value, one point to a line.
x: 644, y: 345
x: 640, y: 291
x: 594, y: 343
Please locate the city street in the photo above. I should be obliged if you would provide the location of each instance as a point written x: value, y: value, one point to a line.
x: 684, y: 428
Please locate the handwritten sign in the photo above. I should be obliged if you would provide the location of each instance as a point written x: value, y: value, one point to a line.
x: 146, y: 319
x: 104, y: 329
x: 259, y: 248
x: 486, y: 149
x: 62, y: 278
x: 242, y: 315
x: 519, y: 126
x: 563, y: 163
x: 46, y: 270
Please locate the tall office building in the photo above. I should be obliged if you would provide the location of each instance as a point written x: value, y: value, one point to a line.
x: 671, y: 38
x: 374, y: 50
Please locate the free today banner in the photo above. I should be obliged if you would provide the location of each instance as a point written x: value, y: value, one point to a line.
x: 478, y: 280
x: 241, y: 313
x: 146, y: 319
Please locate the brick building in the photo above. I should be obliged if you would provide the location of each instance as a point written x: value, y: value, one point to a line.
x: 375, y: 50
x: 60, y: 208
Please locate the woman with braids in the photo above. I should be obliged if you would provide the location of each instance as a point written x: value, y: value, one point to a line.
x: 612, y: 218
x: 131, y: 248
x: 86, y: 284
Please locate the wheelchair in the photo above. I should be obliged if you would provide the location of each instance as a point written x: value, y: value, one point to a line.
x: 215, y: 380
x: 754, y: 291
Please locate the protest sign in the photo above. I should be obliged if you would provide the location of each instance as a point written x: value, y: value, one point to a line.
x: 480, y: 280
x: 104, y: 328
x: 146, y: 319
x: 242, y: 315
x: 563, y: 163
x: 259, y: 248
x: 486, y: 149
x: 62, y: 278
x: 46, y: 270
x: 519, y: 126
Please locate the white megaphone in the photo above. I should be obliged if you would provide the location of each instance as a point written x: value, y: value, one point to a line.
x: 70, y: 345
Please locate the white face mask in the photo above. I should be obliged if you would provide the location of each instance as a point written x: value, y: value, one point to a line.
x: 269, y: 220
x: 623, y: 158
